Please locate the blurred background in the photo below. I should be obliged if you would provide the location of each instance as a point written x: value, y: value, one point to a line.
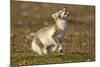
x: 28, y: 17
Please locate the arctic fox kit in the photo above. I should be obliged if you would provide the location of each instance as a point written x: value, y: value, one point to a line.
x: 52, y: 35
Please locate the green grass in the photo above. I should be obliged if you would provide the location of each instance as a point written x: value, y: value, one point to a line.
x: 30, y: 59
x: 79, y: 42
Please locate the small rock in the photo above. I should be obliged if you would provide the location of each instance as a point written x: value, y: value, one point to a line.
x: 88, y: 60
x: 45, y: 23
x: 20, y: 22
x: 25, y: 13
x: 84, y: 44
x: 77, y: 33
x: 32, y: 34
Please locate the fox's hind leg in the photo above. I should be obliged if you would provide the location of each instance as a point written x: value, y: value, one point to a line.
x: 36, y: 48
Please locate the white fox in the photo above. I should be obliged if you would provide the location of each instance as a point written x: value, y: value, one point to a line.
x: 52, y: 35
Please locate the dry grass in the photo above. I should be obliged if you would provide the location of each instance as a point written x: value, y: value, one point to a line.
x: 79, y: 43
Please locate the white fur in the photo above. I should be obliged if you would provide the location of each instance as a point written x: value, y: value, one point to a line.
x: 45, y: 34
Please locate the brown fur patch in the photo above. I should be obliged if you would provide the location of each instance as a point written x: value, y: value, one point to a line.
x: 38, y: 42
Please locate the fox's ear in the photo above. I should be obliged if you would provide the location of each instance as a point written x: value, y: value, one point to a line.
x: 64, y: 9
